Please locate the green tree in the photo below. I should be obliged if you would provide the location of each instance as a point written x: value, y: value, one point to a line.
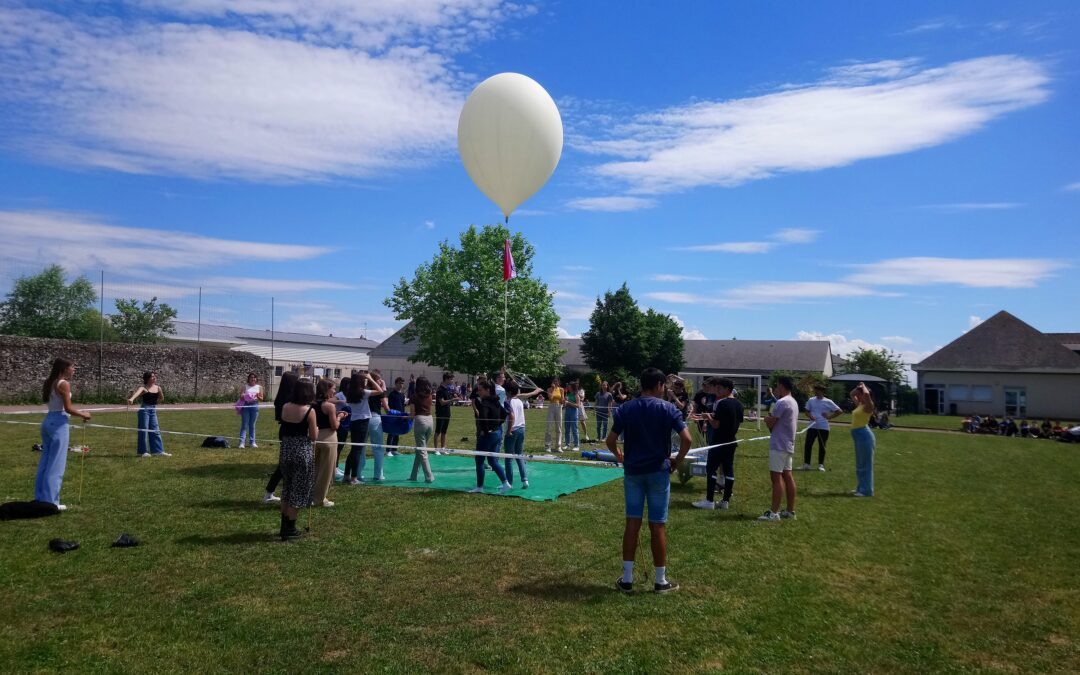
x: 455, y: 306
x: 882, y: 363
x: 143, y: 324
x: 616, y: 336
x: 663, y: 342
x: 92, y: 327
x: 44, y: 305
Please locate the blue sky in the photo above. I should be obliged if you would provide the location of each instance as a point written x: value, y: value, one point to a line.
x: 878, y: 174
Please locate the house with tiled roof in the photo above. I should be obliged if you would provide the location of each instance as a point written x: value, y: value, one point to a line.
x: 1003, y: 366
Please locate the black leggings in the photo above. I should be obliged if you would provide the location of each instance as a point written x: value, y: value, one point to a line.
x: 720, y: 458
x: 822, y: 437
x: 358, y: 431
x: 342, y: 437
x: 275, y: 477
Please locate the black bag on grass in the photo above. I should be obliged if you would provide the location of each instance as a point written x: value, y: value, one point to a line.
x: 23, y: 510
x: 215, y: 442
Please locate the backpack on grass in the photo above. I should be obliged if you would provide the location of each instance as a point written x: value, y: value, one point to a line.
x: 215, y: 442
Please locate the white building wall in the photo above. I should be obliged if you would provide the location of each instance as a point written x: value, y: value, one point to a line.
x: 1048, y: 395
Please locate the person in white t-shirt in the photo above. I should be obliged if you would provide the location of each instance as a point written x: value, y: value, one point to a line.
x: 782, y: 422
x: 820, y: 410
x: 249, y: 412
x: 515, y: 440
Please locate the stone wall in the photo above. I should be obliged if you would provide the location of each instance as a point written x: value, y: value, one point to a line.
x: 220, y: 374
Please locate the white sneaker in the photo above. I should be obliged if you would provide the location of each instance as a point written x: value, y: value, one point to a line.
x: 254, y: 445
x: 820, y: 467
x: 327, y: 503
x: 525, y: 485
x: 804, y: 467
x: 61, y: 507
x: 724, y: 505
x: 476, y: 490
x: 787, y: 515
x: 856, y: 493
x: 163, y: 454
x: 241, y: 446
x: 577, y: 449
x: 504, y: 487
x: 269, y: 498
x: 705, y: 504
x: 769, y: 516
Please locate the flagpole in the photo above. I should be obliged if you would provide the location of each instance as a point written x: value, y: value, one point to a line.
x: 506, y: 308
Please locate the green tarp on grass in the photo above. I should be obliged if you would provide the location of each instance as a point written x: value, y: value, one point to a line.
x: 547, y: 480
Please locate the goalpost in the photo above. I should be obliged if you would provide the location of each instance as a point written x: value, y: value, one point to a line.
x: 699, y: 378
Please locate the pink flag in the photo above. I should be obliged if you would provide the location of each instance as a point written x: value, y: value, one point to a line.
x: 509, y: 270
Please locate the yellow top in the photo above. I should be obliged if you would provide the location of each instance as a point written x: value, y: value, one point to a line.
x: 556, y: 395
x: 860, y: 417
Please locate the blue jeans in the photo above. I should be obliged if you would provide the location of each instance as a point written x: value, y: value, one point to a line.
x: 55, y: 433
x: 148, y: 425
x: 654, y: 488
x: 601, y: 427
x: 489, y: 443
x: 864, y: 459
x: 248, y: 415
x: 378, y: 451
x: 515, y: 444
x: 570, y: 427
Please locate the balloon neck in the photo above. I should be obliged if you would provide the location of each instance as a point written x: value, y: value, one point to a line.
x: 507, y: 221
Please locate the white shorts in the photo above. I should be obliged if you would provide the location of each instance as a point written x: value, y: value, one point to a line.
x: 780, y: 462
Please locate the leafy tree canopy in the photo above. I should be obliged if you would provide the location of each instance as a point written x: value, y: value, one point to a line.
x: 45, y: 305
x: 147, y: 323
x: 882, y: 363
x: 455, y: 306
x: 622, y: 338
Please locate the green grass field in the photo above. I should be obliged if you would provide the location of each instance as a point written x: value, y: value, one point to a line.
x: 965, y: 560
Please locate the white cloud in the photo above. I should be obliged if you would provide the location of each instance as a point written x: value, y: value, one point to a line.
x: 429, y: 224
x: 975, y: 273
x: 974, y: 206
x: 974, y: 321
x: 897, y: 340
x: 82, y: 242
x: 794, y: 235
x: 577, y: 268
x: 771, y: 293
x: 842, y: 345
x: 729, y: 247
x: 674, y: 278
x: 688, y: 333
x: 841, y: 119
x: 612, y: 204
x: 565, y: 334
x: 240, y: 88
x: 1072, y: 187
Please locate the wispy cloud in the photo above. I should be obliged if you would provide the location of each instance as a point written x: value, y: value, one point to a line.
x: 688, y: 333
x: 613, y: 204
x: 794, y: 235
x: 228, y: 88
x: 429, y: 224
x: 842, y: 345
x: 974, y: 273
x: 854, y: 113
x: 897, y: 340
x: 771, y: 293
x: 83, y: 242
x: 577, y: 268
x: 973, y: 206
x: 730, y: 247
x: 1072, y: 187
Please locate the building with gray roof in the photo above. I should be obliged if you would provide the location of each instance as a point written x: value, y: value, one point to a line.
x: 1003, y: 366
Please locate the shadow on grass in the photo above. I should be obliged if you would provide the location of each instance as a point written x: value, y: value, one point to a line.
x: 563, y: 591
x: 236, y: 538
x: 826, y: 495
x: 229, y: 471
x: 238, y: 505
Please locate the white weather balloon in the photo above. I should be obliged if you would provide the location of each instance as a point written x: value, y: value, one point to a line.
x: 510, y: 137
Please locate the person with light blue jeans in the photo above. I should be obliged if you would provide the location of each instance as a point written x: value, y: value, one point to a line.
x: 249, y: 412
x: 571, y: 408
x: 55, y: 432
x: 864, y: 441
x: 149, y: 441
x: 375, y: 436
x: 647, y: 423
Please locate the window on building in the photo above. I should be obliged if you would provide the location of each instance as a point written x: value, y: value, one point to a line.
x: 959, y: 392
x: 337, y: 372
x: 278, y: 370
x: 982, y: 393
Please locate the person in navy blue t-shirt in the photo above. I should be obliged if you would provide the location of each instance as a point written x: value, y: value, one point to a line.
x: 646, y: 424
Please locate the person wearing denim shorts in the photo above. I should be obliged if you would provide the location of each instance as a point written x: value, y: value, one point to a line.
x: 646, y: 424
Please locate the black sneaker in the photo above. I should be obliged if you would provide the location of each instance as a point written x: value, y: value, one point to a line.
x: 621, y: 585
x: 666, y: 587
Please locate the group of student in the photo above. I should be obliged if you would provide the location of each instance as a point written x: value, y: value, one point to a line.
x: 1007, y: 426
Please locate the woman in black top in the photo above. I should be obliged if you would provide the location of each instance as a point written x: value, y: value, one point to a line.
x: 490, y: 414
x: 149, y: 432
x: 299, y: 427
x: 284, y: 394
